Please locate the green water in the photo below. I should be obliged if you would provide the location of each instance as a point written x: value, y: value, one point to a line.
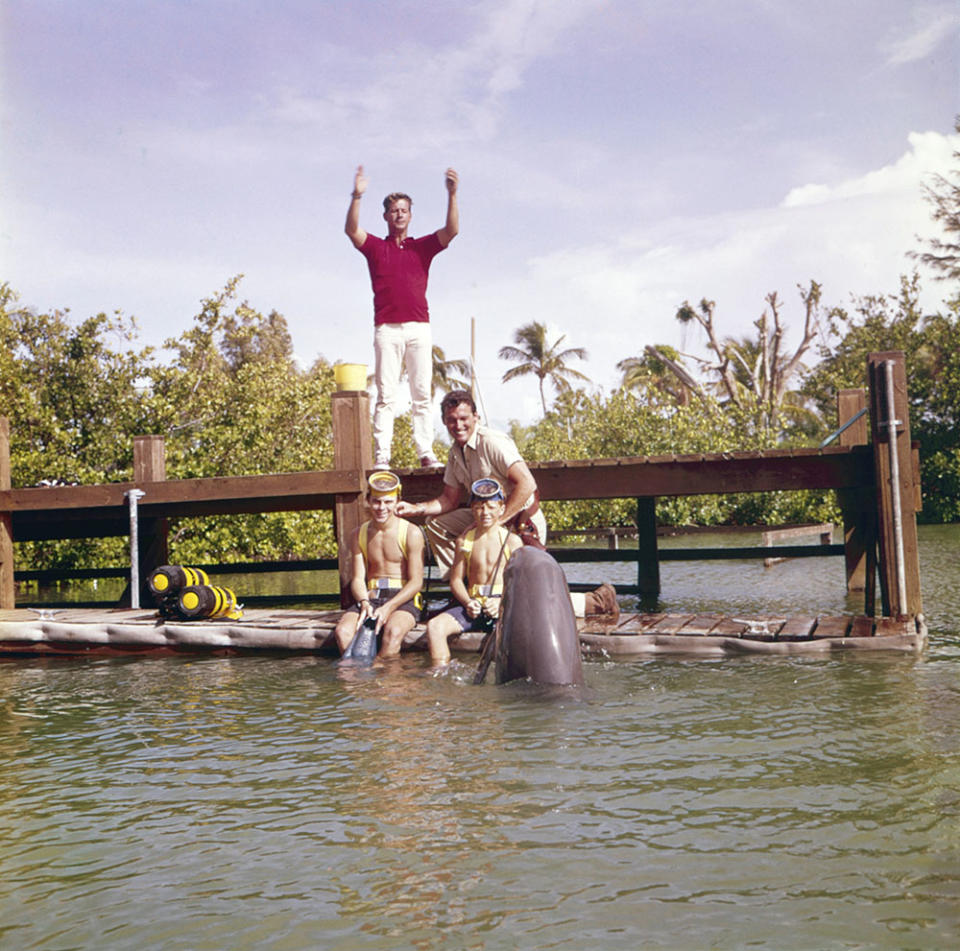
x: 288, y: 803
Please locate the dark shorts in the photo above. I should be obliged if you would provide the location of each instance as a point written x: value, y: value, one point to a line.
x: 378, y: 602
x: 459, y: 613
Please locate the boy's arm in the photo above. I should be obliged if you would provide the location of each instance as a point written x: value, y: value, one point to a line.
x: 358, y: 582
x: 457, y: 586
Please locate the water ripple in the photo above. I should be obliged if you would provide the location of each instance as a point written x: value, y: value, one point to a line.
x: 283, y: 804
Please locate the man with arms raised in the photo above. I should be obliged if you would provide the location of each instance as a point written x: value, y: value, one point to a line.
x: 399, y: 266
x: 482, y: 453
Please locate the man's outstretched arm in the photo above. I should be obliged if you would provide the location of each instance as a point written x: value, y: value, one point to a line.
x: 452, y: 227
x: 354, y: 232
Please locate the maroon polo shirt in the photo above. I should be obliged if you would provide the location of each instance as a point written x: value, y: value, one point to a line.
x: 398, y: 274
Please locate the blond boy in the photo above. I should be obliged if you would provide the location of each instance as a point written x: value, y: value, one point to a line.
x: 387, y: 557
x: 476, y: 576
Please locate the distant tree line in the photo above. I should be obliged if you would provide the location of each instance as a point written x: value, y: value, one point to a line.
x: 230, y: 399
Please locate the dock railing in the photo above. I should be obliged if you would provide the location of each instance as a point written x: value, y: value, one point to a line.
x: 877, y: 484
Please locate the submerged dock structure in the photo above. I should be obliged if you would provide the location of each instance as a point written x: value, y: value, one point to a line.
x: 873, y: 468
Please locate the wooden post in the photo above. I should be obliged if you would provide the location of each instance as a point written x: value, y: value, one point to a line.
x: 859, y: 514
x: 896, y: 488
x: 352, y: 449
x: 648, y: 562
x: 7, y: 590
x: 150, y: 465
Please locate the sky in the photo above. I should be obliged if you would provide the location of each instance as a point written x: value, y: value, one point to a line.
x: 616, y: 157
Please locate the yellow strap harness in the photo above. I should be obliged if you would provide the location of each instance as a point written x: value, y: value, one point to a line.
x: 379, y: 584
x: 466, y: 546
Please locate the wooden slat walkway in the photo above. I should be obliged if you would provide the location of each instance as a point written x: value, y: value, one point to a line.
x: 90, y: 632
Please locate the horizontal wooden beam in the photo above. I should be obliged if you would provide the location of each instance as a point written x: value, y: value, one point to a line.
x: 584, y: 555
x: 99, y: 511
x: 835, y: 467
x: 221, y: 490
x: 715, y: 473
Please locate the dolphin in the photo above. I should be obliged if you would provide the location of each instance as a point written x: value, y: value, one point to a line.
x: 537, y: 637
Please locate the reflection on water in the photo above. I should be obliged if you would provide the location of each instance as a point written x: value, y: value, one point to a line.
x: 289, y: 804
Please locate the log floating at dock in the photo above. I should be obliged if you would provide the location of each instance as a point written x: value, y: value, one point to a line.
x: 124, y: 632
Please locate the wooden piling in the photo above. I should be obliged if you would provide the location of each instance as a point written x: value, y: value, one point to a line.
x: 896, y: 489
x: 856, y: 505
x: 352, y: 449
x: 648, y: 561
x: 7, y: 591
x: 150, y: 466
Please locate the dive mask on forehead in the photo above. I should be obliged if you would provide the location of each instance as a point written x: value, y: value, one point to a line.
x: 486, y: 490
x: 383, y: 485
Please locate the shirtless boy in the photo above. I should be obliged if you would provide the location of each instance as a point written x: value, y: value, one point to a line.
x: 476, y: 576
x: 387, y: 554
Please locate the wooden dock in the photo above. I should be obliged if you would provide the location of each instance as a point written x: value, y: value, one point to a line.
x: 875, y: 473
x: 81, y: 632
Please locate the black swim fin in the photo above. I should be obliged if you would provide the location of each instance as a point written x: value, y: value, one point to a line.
x: 363, y: 647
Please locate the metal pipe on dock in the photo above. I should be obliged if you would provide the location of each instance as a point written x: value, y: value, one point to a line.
x: 133, y: 495
x: 892, y: 423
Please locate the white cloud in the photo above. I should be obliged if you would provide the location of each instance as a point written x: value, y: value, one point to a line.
x: 614, y: 298
x: 934, y: 23
x: 930, y: 152
x: 428, y: 98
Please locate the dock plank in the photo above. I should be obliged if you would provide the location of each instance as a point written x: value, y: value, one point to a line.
x: 797, y: 628
x: 702, y: 624
x: 832, y: 626
x: 861, y: 627
x: 670, y: 624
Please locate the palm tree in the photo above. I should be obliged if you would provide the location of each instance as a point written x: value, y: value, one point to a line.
x: 545, y: 360
x: 448, y: 374
x: 651, y: 370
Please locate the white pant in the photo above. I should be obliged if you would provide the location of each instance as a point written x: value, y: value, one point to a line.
x: 397, y: 346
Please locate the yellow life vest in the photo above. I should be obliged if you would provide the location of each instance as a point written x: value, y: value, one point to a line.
x: 375, y: 584
x: 466, y: 546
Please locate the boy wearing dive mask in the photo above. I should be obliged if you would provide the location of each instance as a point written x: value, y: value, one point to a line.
x: 387, y: 559
x: 476, y: 577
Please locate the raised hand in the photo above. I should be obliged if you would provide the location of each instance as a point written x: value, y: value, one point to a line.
x: 359, y: 181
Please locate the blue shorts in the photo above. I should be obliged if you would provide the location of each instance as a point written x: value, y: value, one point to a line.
x: 459, y: 613
x: 382, y: 598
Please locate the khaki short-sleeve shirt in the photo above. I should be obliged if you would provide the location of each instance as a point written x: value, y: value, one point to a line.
x: 488, y: 454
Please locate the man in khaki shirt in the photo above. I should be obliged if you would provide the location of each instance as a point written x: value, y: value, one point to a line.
x: 481, y: 453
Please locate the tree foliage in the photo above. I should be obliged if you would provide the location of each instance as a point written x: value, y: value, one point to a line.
x: 931, y: 346
x: 943, y: 193
x: 230, y: 401
x: 646, y: 422
x: 752, y: 375
x: 448, y: 374
x: 534, y: 354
